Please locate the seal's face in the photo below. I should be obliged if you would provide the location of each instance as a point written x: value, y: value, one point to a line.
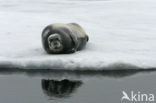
x: 55, y: 43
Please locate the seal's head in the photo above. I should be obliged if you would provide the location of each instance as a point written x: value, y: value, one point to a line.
x: 55, y: 43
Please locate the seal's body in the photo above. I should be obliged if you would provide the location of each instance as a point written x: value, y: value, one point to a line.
x: 63, y: 38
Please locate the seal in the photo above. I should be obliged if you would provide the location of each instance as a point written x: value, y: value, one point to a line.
x: 63, y: 38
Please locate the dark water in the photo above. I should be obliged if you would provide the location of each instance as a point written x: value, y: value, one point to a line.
x: 34, y: 86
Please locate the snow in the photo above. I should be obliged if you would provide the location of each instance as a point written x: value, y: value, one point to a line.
x: 122, y: 32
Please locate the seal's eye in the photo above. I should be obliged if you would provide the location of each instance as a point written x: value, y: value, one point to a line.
x: 56, y: 39
x: 51, y: 40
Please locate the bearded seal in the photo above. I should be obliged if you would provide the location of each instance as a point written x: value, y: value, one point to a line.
x: 63, y: 38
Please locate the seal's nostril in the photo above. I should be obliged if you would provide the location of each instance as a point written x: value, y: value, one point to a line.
x: 55, y: 43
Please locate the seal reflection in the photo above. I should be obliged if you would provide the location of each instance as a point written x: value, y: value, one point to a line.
x: 56, y: 89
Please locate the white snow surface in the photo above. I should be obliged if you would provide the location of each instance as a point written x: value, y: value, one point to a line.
x: 120, y: 31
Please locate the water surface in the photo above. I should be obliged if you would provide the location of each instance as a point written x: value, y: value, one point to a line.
x: 73, y: 87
